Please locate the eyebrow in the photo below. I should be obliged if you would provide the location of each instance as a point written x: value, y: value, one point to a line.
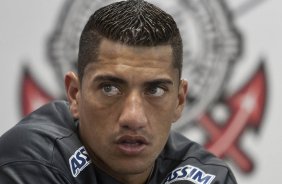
x: 122, y: 81
x: 109, y: 78
x: 159, y: 81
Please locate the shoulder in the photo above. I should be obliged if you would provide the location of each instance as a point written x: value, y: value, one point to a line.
x: 31, y: 172
x: 42, y: 138
x: 188, y: 160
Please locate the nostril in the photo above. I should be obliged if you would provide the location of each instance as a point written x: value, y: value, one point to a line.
x: 133, y: 114
x: 132, y: 126
x: 126, y: 127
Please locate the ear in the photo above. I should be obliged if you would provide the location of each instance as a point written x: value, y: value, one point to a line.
x: 72, y: 88
x: 182, y: 94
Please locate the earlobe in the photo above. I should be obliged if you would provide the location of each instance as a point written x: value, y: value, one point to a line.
x: 72, y: 91
x: 182, y: 94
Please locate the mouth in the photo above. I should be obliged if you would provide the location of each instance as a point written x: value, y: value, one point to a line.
x: 131, y: 145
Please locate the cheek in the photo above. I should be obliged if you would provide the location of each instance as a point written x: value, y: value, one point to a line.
x: 163, y: 112
x: 92, y: 121
x: 161, y: 133
x: 161, y: 119
x: 94, y: 133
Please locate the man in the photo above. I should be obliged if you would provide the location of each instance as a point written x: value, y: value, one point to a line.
x: 116, y: 125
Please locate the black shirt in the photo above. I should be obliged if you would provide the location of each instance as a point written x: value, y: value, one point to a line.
x: 44, y: 148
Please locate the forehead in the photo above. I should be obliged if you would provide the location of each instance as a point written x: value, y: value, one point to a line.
x: 133, y: 64
x: 138, y: 56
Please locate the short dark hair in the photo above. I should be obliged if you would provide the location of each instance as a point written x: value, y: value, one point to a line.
x: 131, y: 22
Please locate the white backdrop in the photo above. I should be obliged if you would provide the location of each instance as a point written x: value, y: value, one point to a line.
x: 26, y: 27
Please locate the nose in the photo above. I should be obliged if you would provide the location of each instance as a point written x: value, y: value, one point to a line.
x: 133, y: 116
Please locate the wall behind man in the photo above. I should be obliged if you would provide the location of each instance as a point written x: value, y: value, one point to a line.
x: 28, y: 79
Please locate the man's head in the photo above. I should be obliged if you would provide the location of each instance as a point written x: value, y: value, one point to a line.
x: 130, y: 93
x: 133, y: 23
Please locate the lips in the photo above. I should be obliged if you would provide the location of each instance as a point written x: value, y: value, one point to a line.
x: 131, y: 145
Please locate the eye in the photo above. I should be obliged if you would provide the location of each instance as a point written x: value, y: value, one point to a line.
x: 110, y: 90
x: 155, y: 91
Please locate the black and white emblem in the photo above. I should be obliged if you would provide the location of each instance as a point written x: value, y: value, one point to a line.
x: 211, y: 46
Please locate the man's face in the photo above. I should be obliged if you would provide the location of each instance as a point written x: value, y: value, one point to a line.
x: 126, y: 104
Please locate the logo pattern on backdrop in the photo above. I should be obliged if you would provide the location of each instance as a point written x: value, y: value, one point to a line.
x: 212, y: 46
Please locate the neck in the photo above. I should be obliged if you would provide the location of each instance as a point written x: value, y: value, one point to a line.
x: 125, y: 178
x: 141, y: 178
